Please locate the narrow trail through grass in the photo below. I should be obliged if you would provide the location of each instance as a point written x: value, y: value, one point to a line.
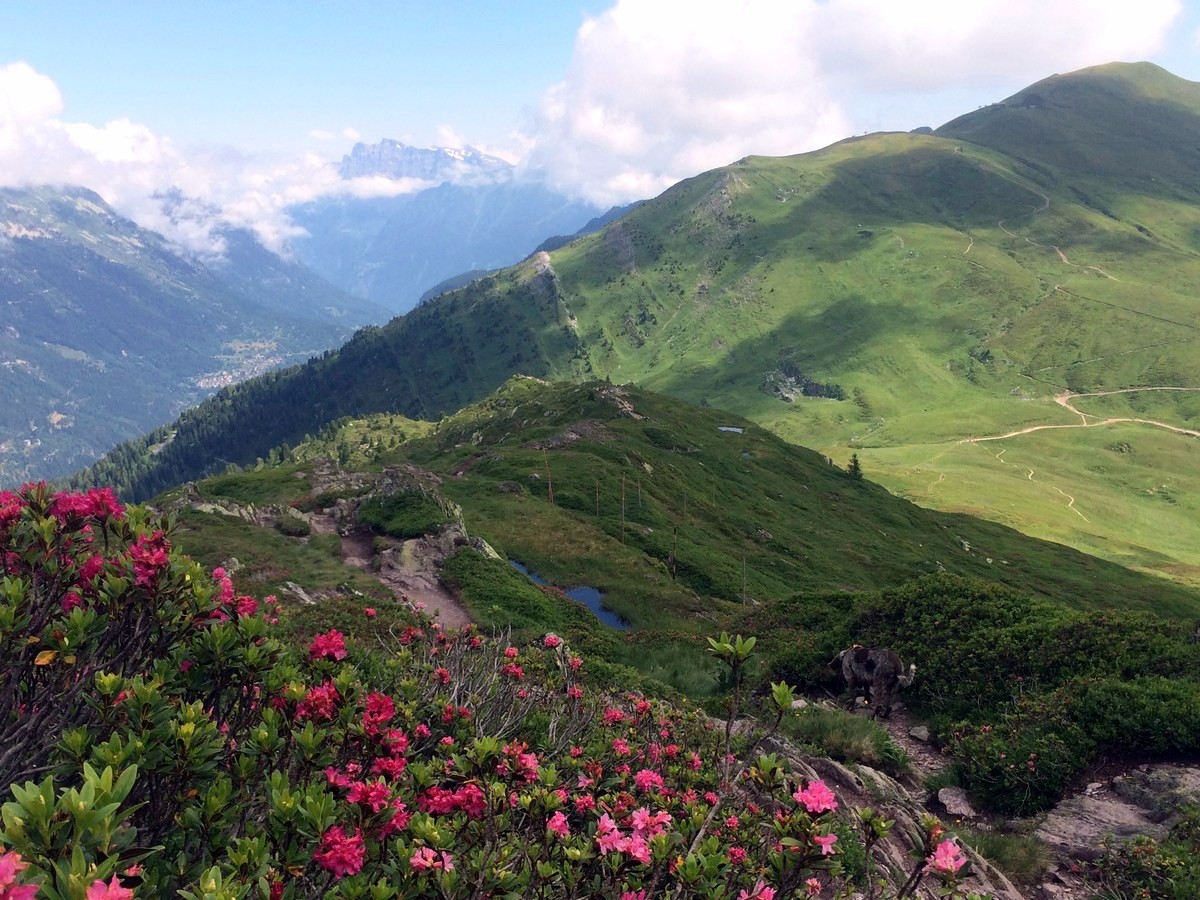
x: 1064, y: 400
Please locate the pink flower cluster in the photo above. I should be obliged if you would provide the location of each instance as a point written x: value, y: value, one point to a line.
x: 644, y: 827
x: 947, y: 858
x: 111, y: 891
x: 816, y: 798
x: 97, y: 503
x: 426, y: 858
x: 150, y: 555
x: 330, y: 645
x: 320, y: 704
x: 442, y: 801
x: 340, y: 853
x: 11, y: 864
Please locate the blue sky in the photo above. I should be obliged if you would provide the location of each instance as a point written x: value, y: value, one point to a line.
x: 263, y: 75
x: 243, y: 105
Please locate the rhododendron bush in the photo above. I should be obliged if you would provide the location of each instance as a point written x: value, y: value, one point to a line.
x: 161, y: 742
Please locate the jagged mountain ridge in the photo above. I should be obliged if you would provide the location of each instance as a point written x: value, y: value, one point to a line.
x: 946, y: 290
x: 393, y: 159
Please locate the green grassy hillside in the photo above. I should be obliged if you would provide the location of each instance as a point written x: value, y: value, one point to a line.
x: 645, y: 488
x: 897, y: 295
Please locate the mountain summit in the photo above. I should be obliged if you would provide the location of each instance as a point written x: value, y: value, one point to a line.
x: 392, y: 159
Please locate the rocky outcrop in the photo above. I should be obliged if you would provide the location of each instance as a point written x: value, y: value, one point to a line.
x: 1143, y: 801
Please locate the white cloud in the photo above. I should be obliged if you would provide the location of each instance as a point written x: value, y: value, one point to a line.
x: 934, y: 44
x: 321, y: 134
x: 134, y: 169
x: 659, y: 90
x: 351, y: 134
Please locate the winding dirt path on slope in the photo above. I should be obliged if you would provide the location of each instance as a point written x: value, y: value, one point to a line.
x: 1087, y: 420
x: 1058, y: 250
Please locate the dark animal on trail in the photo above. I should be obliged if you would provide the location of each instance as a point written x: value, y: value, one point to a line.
x: 876, y: 673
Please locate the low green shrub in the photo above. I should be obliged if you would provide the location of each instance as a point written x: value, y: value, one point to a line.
x: 1151, y: 715
x: 1023, y: 763
x: 293, y: 526
x: 847, y: 737
x: 1145, y: 868
x: 182, y: 750
x: 1019, y: 856
x: 407, y: 514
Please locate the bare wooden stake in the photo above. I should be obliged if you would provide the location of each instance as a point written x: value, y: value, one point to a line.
x: 549, y: 480
x: 622, y: 508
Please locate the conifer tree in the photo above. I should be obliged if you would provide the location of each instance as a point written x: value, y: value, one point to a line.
x: 854, y: 469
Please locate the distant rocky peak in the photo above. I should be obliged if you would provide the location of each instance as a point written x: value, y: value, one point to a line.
x: 393, y: 159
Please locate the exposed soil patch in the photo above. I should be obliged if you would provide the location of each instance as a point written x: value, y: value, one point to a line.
x: 409, y: 569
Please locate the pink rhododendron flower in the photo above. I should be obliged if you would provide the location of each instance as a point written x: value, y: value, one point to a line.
x: 608, y: 835
x: 399, y: 821
x: 428, y: 858
x: 558, y: 825
x: 319, y: 704
x: 551, y: 641
x: 649, y: 824
x: 947, y: 858
x: 12, y: 865
x: 369, y: 612
x: 389, y: 766
x: 812, y: 887
x: 375, y: 795
x: 380, y: 708
x: 635, y: 845
x: 648, y: 780
x: 826, y: 842
x: 330, y: 645
x: 150, y: 556
x: 340, y: 853
x: 816, y: 798
x: 760, y: 891
x: 613, y: 716
x: 511, y: 653
x: 111, y: 891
